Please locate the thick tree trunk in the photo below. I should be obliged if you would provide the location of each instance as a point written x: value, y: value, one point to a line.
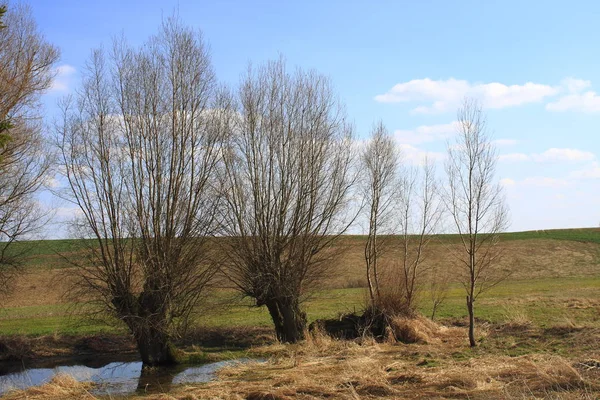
x: 472, y: 342
x: 288, y: 319
x: 155, y: 347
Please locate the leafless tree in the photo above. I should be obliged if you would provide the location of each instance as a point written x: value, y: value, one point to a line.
x: 287, y: 183
x: 404, y: 210
x: 26, y: 71
x: 380, y: 164
x: 476, y: 205
x: 420, y: 211
x: 140, y: 148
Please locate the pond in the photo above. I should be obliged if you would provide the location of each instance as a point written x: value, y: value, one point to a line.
x: 115, y: 378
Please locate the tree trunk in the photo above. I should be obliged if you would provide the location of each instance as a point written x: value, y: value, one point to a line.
x: 155, y: 347
x: 289, y: 320
x: 472, y: 342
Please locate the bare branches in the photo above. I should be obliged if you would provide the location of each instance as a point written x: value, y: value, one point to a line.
x: 26, y: 61
x: 287, y: 183
x: 404, y: 211
x: 420, y: 212
x: 140, y: 148
x: 380, y: 161
x: 476, y: 204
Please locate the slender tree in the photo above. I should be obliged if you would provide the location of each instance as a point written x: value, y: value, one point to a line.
x: 420, y: 211
x: 476, y: 205
x: 26, y: 71
x: 380, y: 164
x: 140, y: 150
x: 287, y: 183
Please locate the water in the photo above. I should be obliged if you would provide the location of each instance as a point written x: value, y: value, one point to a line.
x: 116, y: 378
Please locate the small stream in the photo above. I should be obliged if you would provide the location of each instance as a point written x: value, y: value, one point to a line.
x: 115, y: 378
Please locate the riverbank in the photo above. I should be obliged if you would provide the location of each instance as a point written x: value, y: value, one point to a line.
x: 512, y: 361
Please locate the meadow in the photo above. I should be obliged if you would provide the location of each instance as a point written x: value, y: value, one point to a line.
x: 543, y: 322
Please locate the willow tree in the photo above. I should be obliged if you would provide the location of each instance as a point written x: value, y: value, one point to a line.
x: 140, y: 148
x: 476, y: 205
x: 26, y: 71
x: 287, y: 183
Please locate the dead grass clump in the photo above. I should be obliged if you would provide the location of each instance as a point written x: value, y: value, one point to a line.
x: 405, y: 379
x: 543, y: 374
x: 565, y: 328
x: 456, y: 382
x: 557, y: 374
x: 318, y: 392
x: 266, y: 396
x: 374, y: 389
x: 414, y: 330
x: 60, y: 387
x: 516, y: 319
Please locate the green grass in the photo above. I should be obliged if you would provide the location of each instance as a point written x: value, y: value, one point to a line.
x: 546, y: 302
x: 50, y: 253
x: 588, y: 235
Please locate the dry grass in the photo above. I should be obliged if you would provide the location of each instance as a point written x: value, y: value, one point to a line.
x: 536, y: 258
x: 326, y: 368
x: 414, y: 330
x: 438, y: 365
x: 61, y: 387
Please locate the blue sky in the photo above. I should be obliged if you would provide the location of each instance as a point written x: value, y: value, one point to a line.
x: 534, y: 65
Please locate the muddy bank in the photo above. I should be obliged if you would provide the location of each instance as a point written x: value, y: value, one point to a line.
x: 48, y: 351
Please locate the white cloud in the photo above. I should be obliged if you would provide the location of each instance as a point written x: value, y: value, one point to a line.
x: 67, y: 212
x: 426, y: 133
x: 415, y: 156
x: 512, y: 157
x: 52, y: 183
x: 591, y: 172
x: 557, y: 155
x: 507, y: 182
x: 576, y: 99
x: 587, y: 102
x: 550, y: 155
x: 446, y: 95
x: 62, y: 80
x: 574, y: 85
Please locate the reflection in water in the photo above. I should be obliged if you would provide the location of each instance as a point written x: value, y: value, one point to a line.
x: 116, y: 377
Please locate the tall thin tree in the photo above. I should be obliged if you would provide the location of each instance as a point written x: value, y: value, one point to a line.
x: 380, y: 163
x: 476, y: 204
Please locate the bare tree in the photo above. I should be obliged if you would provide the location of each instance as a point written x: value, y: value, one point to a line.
x: 288, y: 179
x: 140, y: 149
x: 404, y: 211
x: 420, y: 211
x: 380, y: 163
x: 26, y: 71
x: 476, y: 205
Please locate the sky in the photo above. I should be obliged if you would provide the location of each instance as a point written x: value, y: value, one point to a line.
x: 533, y: 65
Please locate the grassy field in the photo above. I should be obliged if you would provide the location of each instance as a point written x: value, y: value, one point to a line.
x: 538, y: 331
x: 556, y: 277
